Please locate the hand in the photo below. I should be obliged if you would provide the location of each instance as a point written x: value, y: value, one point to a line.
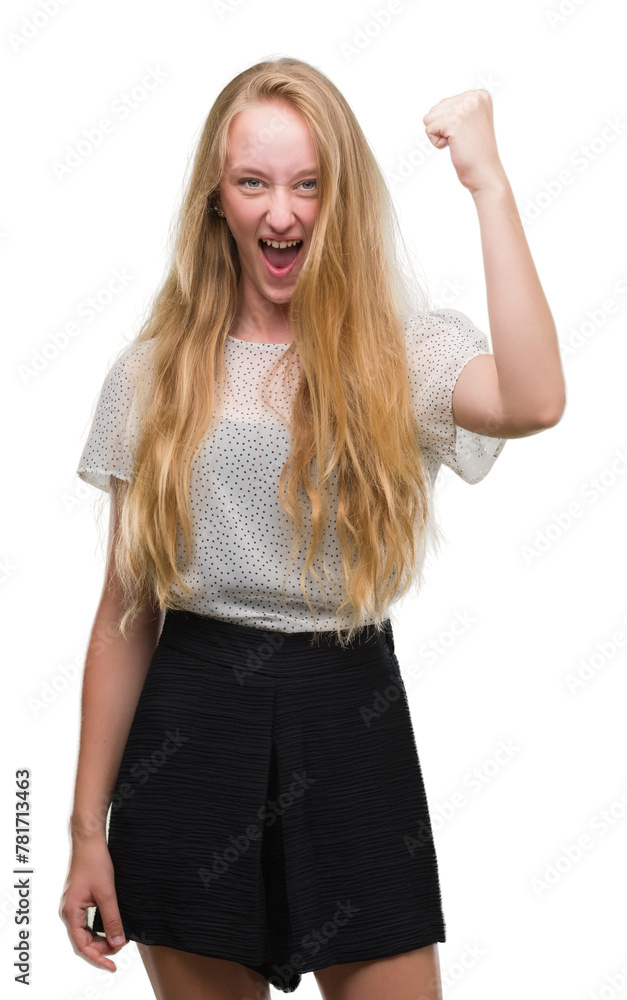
x: 90, y: 882
x: 465, y: 124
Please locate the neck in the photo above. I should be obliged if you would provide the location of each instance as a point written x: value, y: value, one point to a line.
x: 258, y: 320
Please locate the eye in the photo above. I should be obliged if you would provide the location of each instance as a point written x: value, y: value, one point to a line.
x: 255, y: 180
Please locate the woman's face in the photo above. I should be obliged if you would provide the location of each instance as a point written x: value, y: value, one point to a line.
x: 269, y: 189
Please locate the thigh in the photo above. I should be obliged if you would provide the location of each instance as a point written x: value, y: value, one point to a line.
x: 182, y: 975
x: 412, y: 975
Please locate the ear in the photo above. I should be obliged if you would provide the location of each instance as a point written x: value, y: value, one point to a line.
x: 213, y: 204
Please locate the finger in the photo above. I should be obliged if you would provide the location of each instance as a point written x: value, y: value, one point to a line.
x: 111, y: 920
x: 93, y: 949
x: 85, y: 942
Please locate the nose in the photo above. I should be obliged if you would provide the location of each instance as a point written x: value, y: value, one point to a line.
x: 280, y: 214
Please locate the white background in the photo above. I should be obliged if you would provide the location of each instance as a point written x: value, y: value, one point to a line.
x: 545, y: 593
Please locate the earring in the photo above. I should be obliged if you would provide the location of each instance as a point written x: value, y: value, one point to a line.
x: 218, y: 210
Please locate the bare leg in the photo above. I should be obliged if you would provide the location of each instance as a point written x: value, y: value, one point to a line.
x: 182, y: 975
x: 412, y: 975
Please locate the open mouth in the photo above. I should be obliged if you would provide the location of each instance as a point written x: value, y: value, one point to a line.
x: 280, y: 261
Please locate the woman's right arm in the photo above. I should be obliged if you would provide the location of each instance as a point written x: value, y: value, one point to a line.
x: 114, y: 674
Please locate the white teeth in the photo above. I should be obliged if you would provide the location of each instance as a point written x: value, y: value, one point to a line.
x: 281, y: 246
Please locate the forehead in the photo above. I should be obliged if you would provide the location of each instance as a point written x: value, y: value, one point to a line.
x: 270, y: 136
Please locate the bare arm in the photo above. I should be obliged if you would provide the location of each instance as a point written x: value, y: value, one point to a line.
x: 115, y: 670
x: 519, y: 389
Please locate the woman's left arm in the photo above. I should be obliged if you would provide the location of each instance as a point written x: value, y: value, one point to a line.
x: 520, y: 388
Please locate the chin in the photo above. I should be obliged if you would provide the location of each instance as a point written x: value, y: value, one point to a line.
x: 275, y: 294
x: 278, y: 298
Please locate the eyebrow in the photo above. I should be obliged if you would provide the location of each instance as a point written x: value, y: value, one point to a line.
x: 255, y: 170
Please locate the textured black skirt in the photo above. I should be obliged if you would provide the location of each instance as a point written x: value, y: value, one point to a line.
x: 270, y: 807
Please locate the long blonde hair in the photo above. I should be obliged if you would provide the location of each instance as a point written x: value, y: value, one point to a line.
x: 352, y: 422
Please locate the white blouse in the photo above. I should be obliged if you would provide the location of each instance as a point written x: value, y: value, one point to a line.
x: 241, y: 546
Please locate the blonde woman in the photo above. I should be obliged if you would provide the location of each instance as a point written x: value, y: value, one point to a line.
x: 249, y: 804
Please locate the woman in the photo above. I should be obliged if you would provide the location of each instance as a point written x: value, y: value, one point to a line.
x: 249, y: 804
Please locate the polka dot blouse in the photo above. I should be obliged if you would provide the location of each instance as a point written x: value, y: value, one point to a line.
x: 241, y: 548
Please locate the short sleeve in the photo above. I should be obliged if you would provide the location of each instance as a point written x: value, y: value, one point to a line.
x: 108, y: 448
x: 439, y: 344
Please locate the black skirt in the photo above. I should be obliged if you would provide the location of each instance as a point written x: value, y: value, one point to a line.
x: 270, y: 807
